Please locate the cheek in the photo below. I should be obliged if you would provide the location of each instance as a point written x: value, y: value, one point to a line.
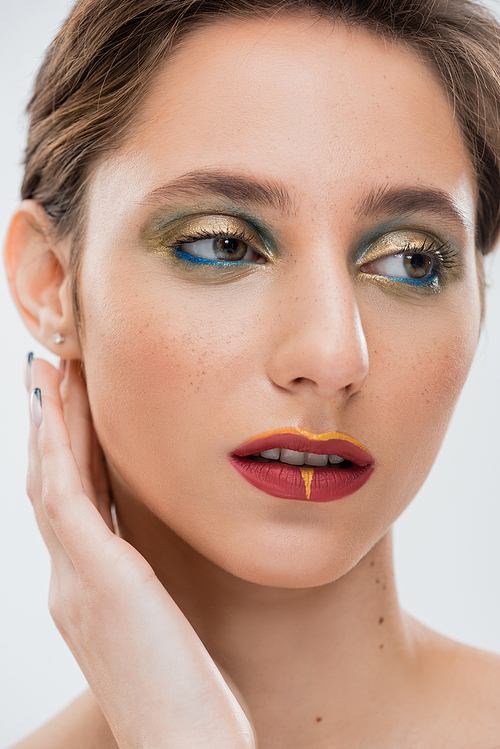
x: 416, y: 380
x: 160, y: 367
x: 425, y: 377
x: 143, y: 381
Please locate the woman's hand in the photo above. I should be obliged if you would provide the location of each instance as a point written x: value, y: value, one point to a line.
x: 153, y: 678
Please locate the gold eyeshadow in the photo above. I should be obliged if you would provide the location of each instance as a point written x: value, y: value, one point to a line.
x: 401, y: 242
x: 165, y: 236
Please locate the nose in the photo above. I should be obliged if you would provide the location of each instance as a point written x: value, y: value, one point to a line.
x: 319, y: 342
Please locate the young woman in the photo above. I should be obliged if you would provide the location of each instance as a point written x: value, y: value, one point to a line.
x: 254, y: 232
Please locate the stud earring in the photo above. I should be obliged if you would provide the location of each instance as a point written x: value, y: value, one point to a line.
x: 58, y: 338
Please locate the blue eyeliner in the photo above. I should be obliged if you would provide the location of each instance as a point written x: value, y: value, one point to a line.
x: 195, y: 260
x: 400, y: 241
x: 178, y: 238
x: 414, y: 281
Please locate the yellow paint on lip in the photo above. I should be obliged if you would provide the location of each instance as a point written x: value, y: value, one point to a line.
x: 323, y: 437
x: 307, y: 477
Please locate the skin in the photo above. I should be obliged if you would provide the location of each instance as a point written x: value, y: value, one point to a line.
x: 295, y: 601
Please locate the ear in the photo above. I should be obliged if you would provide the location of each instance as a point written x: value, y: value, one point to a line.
x: 37, y: 270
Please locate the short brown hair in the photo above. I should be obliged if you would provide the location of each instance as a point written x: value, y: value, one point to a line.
x: 97, y: 70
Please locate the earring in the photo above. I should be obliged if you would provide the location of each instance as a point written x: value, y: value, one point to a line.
x: 58, y: 338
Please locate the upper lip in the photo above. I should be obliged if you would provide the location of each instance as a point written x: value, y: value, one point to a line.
x: 292, y: 438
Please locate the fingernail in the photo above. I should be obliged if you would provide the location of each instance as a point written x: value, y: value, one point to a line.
x: 62, y: 369
x: 27, y: 371
x: 36, y: 407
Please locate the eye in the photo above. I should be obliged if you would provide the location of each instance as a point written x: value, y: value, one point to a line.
x: 220, y: 241
x: 408, y: 266
x: 409, y: 259
x: 220, y: 249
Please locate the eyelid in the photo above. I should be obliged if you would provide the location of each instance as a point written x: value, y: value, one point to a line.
x: 188, y: 229
x: 395, y: 243
x: 402, y: 241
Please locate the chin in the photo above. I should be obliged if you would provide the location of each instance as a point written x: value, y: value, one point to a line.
x: 294, y: 560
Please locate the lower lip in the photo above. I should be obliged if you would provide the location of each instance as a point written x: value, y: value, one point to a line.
x: 307, y: 483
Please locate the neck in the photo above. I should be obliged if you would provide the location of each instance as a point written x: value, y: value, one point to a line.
x: 291, y: 652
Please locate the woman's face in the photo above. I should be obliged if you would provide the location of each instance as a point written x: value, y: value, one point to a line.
x: 345, y: 299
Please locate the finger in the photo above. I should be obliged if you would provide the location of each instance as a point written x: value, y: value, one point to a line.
x: 27, y: 371
x: 84, y: 442
x: 62, y: 370
x: 77, y: 416
x: 47, y: 379
x: 75, y: 520
x: 101, y: 483
x: 34, y: 484
x: 34, y: 490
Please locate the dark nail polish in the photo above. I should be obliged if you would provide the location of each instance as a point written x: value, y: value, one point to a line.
x: 36, y: 407
x: 27, y: 370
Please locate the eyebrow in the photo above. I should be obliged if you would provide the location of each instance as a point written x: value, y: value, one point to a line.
x: 224, y: 184
x: 404, y: 200
x: 245, y: 189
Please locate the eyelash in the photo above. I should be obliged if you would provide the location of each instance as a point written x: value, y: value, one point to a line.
x: 445, y: 258
x: 194, y: 260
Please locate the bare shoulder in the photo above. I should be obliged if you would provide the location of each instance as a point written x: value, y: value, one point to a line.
x: 80, y: 726
x: 469, y: 681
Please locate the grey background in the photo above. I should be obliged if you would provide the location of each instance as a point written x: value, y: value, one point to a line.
x: 447, y: 543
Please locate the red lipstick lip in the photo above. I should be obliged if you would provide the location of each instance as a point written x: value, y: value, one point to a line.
x: 306, y: 483
x: 297, y: 440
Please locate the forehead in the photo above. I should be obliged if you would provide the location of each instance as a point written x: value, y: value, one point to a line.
x: 327, y: 109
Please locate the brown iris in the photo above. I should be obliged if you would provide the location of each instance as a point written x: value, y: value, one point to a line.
x: 228, y: 248
x: 418, y: 265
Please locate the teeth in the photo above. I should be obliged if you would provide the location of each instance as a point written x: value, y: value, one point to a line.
x: 273, y: 454
x: 335, y: 459
x: 295, y: 458
x: 292, y: 457
x: 312, y: 459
